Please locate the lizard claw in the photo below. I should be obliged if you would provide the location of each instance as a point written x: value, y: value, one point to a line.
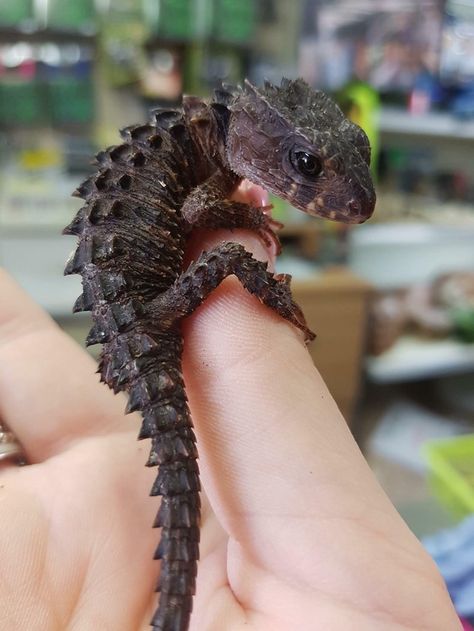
x: 270, y: 239
x: 268, y: 228
x: 283, y: 278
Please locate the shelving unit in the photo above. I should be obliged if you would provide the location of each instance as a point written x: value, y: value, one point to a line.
x: 417, y: 252
x: 413, y: 358
x: 435, y: 124
x: 9, y: 35
x: 307, y: 233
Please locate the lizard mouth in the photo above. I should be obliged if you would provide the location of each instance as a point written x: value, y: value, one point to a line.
x: 355, y: 211
x: 345, y: 217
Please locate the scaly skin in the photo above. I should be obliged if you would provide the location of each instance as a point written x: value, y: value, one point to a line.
x: 168, y: 177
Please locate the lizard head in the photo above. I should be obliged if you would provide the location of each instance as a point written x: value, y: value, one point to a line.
x: 297, y: 143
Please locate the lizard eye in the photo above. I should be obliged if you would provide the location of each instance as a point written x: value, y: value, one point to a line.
x: 306, y: 163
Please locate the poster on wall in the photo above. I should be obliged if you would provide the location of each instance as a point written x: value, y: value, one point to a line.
x: 387, y: 43
x: 457, y: 47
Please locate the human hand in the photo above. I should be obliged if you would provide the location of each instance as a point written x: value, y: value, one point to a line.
x: 296, y: 534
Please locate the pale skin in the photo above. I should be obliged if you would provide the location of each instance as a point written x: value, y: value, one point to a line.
x: 297, y: 535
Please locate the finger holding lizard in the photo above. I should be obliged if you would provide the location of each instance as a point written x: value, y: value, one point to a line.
x: 313, y: 542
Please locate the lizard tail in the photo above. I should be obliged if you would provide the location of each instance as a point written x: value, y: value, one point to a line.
x: 148, y: 365
x: 130, y: 249
x: 158, y: 391
x: 174, y: 451
x: 156, y: 388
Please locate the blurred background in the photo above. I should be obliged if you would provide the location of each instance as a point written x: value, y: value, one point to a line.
x: 392, y: 301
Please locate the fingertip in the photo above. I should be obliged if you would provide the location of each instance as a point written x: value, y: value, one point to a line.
x: 251, y: 193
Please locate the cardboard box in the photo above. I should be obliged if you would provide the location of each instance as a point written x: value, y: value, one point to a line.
x: 335, y: 304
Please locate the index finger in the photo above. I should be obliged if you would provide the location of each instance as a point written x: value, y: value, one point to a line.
x: 279, y: 464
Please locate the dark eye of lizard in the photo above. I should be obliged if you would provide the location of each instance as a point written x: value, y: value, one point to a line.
x: 306, y: 163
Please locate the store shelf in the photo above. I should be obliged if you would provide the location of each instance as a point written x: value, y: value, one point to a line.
x: 36, y: 35
x: 36, y: 261
x: 413, y: 358
x: 392, y: 255
x: 435, y: 124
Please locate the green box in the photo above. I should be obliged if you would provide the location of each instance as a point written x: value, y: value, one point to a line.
x: 71, y: 100
x: 13, y: 12
x: 76, y: 14
x: 20, y: 102
x: 451, y: 467
x: 234, y: 20
x: 175, y: 19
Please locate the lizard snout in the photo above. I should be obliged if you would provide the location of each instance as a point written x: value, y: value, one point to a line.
x: 358, y: 210
x: 353, y: 207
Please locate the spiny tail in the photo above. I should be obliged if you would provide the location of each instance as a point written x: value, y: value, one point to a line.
x: 173, y: 449
x: 130, y: 250
x: 157, y: 390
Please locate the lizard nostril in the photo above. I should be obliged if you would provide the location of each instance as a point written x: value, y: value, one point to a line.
x: 353, y: 206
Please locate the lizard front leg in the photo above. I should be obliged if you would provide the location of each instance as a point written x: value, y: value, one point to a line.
x: 207, y: 207
x: 205, y: 274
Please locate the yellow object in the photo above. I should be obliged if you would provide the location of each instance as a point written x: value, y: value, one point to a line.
x: 451, y: 464
x: 361, y: 103
x: 40, y: 158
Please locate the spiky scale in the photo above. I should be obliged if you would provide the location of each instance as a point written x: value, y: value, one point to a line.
x: 173, y: 614
x: 125, y: 182
x: 86, y: 189
x: 76, y: 227
x: 102, y: 158
x: 127, y: 313
x: 177, y: 550
x: 172, y: 481
x: 178, y: 511
x: 125, y: 132
x: 104, y: 209
x: 141, y: 344
x: 155, y: 141
x: 98, y: 335
x: 138, y: 159
x: 154, y: 421
x: 142, y: 132
x: 178, y: 544
x: 173, y: 445
x: 106, y: 247
x: 142, y: 393
x: 167, y: 118
x: 79, y: 258
x: 180, y: 580
x: 120, y: 153
x: 193, y: 533
x: 164, y: 454
x: 102, y: 180
x: 113, y: 285
x: 79, y: 305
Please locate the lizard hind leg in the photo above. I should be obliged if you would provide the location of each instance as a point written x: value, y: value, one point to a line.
x: 204, y: 275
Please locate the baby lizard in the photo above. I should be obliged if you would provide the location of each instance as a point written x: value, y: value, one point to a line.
x: 169, y: 176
